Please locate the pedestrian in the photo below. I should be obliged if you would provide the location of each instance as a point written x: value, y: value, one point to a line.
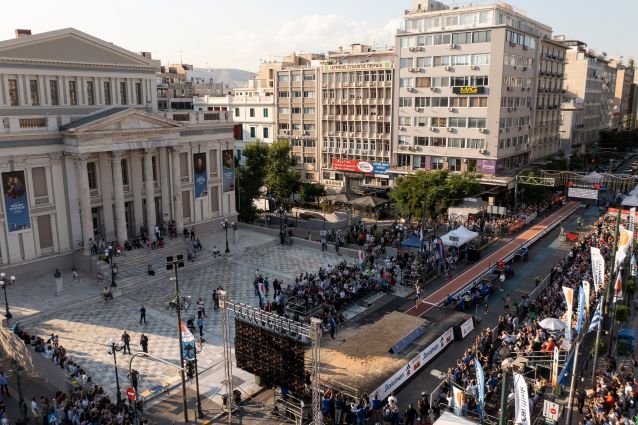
x: 144, y: 343
x: 76, y: 277
x: 201, y: 310
x: 409, y: 415
x: 192, y: 233
x: 486, y: 308
x: 215, y: 299
x: 333, y: 327
x: 126, y: 339
x: 4, y: 383
x: 581, y: 396
x: 417, y: 288
x: 35, y: 411
x: 142, y: 314
x: 200, y: 325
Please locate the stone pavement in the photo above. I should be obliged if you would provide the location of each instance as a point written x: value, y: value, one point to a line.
x: 84, y: 321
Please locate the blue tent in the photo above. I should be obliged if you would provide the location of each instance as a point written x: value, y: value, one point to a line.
x: 411, y: 242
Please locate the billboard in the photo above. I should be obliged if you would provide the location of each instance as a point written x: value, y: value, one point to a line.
x: 16, y: 203
x: 578, y: 192
x: 468, y: 90
x: 356, y: 166
x: 201, y: 175
x: 357, y: 66
x: 486, y: 166
x: 228, y: 164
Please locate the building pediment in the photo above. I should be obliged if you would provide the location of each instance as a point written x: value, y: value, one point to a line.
x: 69, y: 46
x: 120, y: 120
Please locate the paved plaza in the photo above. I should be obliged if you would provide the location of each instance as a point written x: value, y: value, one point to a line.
x: 84, y: 321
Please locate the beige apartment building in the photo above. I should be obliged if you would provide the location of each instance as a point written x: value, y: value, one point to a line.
x: 621, y: 114
x: 178, y: 83
x: 356, y: 118
x: 589, y: 96
x: 84, y: 154
x: 466, y: 90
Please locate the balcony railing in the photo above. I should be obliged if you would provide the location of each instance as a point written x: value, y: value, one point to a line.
x: 33, y: 122
x: 41, y: 200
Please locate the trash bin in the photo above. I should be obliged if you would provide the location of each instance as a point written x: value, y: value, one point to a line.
x: 625, y: 341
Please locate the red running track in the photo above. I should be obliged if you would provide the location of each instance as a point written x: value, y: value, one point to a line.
x: 462, y: 280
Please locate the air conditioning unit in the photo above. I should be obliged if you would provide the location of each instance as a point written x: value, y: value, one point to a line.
x: 401, y: 128
x: 332, y: 133
x: 464, y: 160
x: 344, y: 100
x: 481, y: 151
x: 412, y: 49
x: 452, y: 46
x: 450, y: 109
x: 410, y: 148
x: 344, y: 84
x: 344, y: 150
x: 450, y: 130
x: 358, y: 84
x: 421, y: 69
x: 410, y: 89
x: 402, y: 147
x: 447, y: 68
x: 418, y: 109
x: 351, y: 134
x: 474, y: 67
x: 306, y: 133
x: 411, y: 69
x: 432, y: 128
x: 433, y: 89
x: 286, y: 132
x: 482, y: 130
x: 380, y: 118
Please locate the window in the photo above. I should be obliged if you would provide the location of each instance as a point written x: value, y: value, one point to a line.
x: 251, y: 112
x: 454, y: 164
x: 439, y: 102
x: 309, y: 111
x: 13, y: 93
x: 283, y: 78
x: 138, y: 93
x: 309, y: 159
x: 440, y: 81
x: 462, y: 38
x: 90, y: 168
x: 308, y: 94
x: 442, y: 39
x: 237, y: 112
x: 478, y: 102
x: 461, y: 60
x: 309, y: 127
x: 296, y: 77
x: 123, y: 99
x: 295, y: 94
x: 405, y: 121
x: 309, y: 76
x: 451, y: 20
x: 476, y: 123
x: 482, y: 36
x: 35, y: 94
x: 476, y: 143
x: 283, y: 94
x: 73, y: 95
x: 421, y: 141
x: 53, y: 92
x: 457, y: 122
x: 38, y: 176
x: 423, y: 81
x: 458, y: 81
x: 482, y: 59
x: 405, y: 63
x: 107, y: 93
x: 437, y: 162
x: 458, y: 102
x: 454, y: 142
x: 424, y: 62
x: 265, y: 133
x: 421, y: 121
x: 253, y: 132
x: 479, y: 80
x: 283, y: 110
x: 90, y: 93
x: 439, y: 122
x: 421, y: 102
x: 296, y: 111
x: 405, y: 101
x: 437, y: 142
x: 441, y: 60
x: 406, y: 82
x: 265, y: 112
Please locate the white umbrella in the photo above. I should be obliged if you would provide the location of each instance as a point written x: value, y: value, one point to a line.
x: 552, y: 324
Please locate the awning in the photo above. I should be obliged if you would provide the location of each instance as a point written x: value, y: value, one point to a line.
x: 467, y: 207
x: 368, y: 201
x: 631, y: 201
x: 458, y: 237
x: 412, y: 242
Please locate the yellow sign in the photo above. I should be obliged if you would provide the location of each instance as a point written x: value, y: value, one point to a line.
x: 468, y: 90
x: 357, y: 66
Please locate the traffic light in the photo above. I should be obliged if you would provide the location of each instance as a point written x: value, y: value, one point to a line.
x: 190, y: 369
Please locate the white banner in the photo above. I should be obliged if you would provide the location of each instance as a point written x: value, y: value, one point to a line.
x: 521, y: 400
x: 632, y: 218
x: 569, y: 299
x: 458, y: 400
x: 467, y: 327
x: 624, y: 242
x: 423, y: 358
x: 587, y: 290
x: 597, y: 269
x: 578, y: 192
x: 555, y: 367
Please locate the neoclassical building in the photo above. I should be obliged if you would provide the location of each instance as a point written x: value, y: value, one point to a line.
x: 84, y: 152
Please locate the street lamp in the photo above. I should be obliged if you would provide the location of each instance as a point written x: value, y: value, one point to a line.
x: 114, y: 268
x: 225, y: 226
x: 112, y: 348
x: 4, y: 281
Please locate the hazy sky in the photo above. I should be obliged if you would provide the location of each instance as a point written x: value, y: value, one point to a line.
x: 237, y: 33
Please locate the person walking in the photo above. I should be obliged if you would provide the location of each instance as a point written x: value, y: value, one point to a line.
x: 215, y: 299
x: 126, y: 339
x: 200, y: 325
x: 333, y: 327
x: 142, y: 314
x: 201, y: 309
x: 144, y: 343
x: 35, y: 410
x: 410, y: 415
x: 4, y: 383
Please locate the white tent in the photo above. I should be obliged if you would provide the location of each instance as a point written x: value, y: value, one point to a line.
x: 634, y: 191
x: 458, y: 237
x: 631, y: 201
x: 593, y: 177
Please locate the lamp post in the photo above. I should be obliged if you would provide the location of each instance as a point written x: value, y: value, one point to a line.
x: 4, y: 281
x: 113, y: 348
x: 113, y: 266
x: 225, y: 226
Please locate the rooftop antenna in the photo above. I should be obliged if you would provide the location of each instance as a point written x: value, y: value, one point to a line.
x: 181, y: 62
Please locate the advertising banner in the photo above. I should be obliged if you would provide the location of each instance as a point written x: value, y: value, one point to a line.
x: 521, y: 400
x: 420, y: 360
x: 569, y: 299
x: 357, y: 66
x: 201, y: 175
x: 632, y: 218
x: 555, y: 367
x: 581, y: 309
x: 486, y: 166
x: 624, y: 242
x: 458, y: 400
x: 16, y: 202
x: 579, y: 192
x: 188, y: 342
x: 228, y: 165
x: 467, y: 327
x: 468, y: 90
x: 356, y: 166
x: 618, y: 289
x: 480, y: 377
x: 587, y: 293
x: 597, y: 269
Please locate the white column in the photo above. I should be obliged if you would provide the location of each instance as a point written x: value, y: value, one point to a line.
x: 106, y: 183
x: 149, y: 187
x: 61, y: 227
x: 177, y: 191
x: 84, y: 194
x: 164, y: 185
x: 118, y: 189
x: 136, y: 187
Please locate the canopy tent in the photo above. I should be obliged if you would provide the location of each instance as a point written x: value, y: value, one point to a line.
x: 469, y: 206
x: 412, y: 242
x: 458, y: 237
x: 634, y: 191
x: 343, y: 198
x: 368, y: 201
x: 593, y: 177
x: 630, y: 201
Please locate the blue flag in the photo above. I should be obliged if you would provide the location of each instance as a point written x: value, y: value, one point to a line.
x: 596, y: 319
x: 581, y: 309
x: 480, y: 378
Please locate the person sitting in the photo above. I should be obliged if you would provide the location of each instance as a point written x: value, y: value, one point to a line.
x: 197, y: 244
x: 149, y: 270
x: 186, y: 233
x: 191, y: 257
x: 216, y: 251
x: 108, y: 295
x: 128, y: 246
x: 160, y: 243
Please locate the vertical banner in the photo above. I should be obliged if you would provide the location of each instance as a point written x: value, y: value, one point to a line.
x: 16, y: 203
x: 581, y: 309
x: 228, y: 164
x: 632, y: 219
x: 521, y: 400
x: 201, y: 175
x: 555, y: 367
x: 480, y: 377
x: 188, y: 342
x: 625, y: 236
x: 458, y: 400
x: 587, y: 290
x: 569, y: 299
x: 618, y: 289
x: 633, y: 268
x: 597, y: 269
x: 596, y: 318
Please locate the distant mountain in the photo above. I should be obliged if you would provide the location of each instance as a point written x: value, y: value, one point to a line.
x: 232, y: 77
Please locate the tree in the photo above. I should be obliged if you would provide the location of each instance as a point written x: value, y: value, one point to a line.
x: 251, y: 177
x: 311, y: 191
x: 281, y: 179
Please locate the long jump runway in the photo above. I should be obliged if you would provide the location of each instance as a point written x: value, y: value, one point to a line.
x: 483, y: 266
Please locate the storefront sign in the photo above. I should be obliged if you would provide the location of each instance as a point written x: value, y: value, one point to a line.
x: 468, y: 90
x: 16, y: 202
x: 357, y: 166
x: 357, y: 66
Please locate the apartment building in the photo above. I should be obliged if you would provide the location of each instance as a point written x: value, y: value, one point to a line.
x: 178, y: 83
x: 356, y: 118
x: 589, y: 95
x: 466, y: 88
x: 296, y: 96
x: 545, y: 134
x: 621, y: 114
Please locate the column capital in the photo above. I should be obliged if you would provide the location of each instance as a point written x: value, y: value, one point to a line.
x: 56, y: 157
x: 116, y: 156
x: 81, y: 157
x: 175, y: 149
x: 150, y: 151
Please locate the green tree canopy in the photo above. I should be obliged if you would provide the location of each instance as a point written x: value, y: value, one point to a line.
x: 311, y: 191
x: 251, y: 177
x: 281, y: 179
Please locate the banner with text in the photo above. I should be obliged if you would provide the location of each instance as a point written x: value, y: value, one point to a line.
x: 188, y: 342
x: 16, y: 202
x: 569, y: 300
x: 458, y: 400
x: 521, y: 400
x: 228, y: 164
x: 480, y: 378
x: 356, y: 166
x: 597, y: 269
x: 201, y: 175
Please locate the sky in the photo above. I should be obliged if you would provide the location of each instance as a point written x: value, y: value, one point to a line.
x: 238, y: 33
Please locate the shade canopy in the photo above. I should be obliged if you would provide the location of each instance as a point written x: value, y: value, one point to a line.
x: 631, y: 201
x: 552, y: 324
x: 343, y: 198
x: 634, y: 191
x: 412, y: 242
x: 368, y: 201
x: 458, y: 237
